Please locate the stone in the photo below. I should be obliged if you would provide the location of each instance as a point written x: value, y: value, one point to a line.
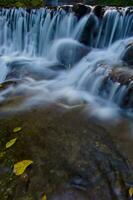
x: 81, y: 9
x: 127, y: 56
x: 25, y: 68
x: 72, y: 160
x: 70, y: 52
x: 90, y: 30
x: 98, y: 11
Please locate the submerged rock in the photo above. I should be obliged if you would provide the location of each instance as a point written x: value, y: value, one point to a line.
x: 72, y: 160
x: 90, y: 31
x: 23, y: 68
x: 69, y: 52
x: 128, y: 55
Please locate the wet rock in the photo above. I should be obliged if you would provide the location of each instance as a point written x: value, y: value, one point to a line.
x: 90, y: 31
x: 28, y: 10
x: 67, y: 8
x: 57, y: 67
x: 69, y: 52
x: 72, y: 160
x: 21, y: 69
x: 6, y: 84
x: 98, y: 11
x: 128, y: 55
x: 81, y: 9
x: 123, y: 76
x: 70, y: 195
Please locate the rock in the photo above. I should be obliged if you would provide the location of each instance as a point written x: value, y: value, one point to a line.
x: 90, y: 30
x: 67, y: 8
x: 128, y: 55
x: 98, y: 11
x: 72, y: 160
x: 6, y: 84
x: 81, y: 9
x: 20, y: 69
x: 70, y: 194
x: 69, y: 51
x: 123, y: 76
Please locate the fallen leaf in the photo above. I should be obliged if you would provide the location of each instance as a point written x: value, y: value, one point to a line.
x: 1, y: 85
x: 131, y: 191
x: 10, y: 143
x: 17, y: 129
x: 44, y: 197
x: 21, y: 166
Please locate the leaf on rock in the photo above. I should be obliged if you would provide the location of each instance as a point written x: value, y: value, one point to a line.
x: 44, y: 197
x: 21, y: 166
x: 131, y: 191
x: 10, y: 143
x: 17, y: 129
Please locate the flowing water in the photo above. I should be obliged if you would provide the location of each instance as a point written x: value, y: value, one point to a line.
x: 41, y: 50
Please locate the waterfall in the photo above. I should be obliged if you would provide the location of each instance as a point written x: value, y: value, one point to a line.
x: 33, y: 32
x: 65, y: 55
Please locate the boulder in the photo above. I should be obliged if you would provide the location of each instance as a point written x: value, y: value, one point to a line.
x: 125, y: 78
x: 98, y: 11
x: 70, y: 52
x: 90, y: 31
x: 127, y: 56
x: 75, y: 157
x: 81, y: 9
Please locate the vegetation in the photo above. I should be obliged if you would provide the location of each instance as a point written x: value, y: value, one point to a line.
x: 21, y: 3
x: 40, y: 3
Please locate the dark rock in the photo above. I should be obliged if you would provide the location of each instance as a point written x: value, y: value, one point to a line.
x: 98, y: 11
x: 125, y: 78
x: 67, y: 8
x: 128, y: 55
x: 122, y: 76
x: 90, y: 31
x: 72, y: 160
x: 8, y: 83
x: 69, y: 52
x: 81, y: 9
x: 70, y: 194
x: 28, y: 10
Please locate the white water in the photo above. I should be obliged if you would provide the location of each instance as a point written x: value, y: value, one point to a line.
x: 39, y: 48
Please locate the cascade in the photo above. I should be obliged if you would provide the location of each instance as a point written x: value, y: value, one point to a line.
x: 65, y: 56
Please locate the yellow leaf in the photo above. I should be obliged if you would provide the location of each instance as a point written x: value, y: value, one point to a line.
x: 17, y: 129
x: 131, y: 191
x: 44, y: 197
x: 20, y: 167
x: 10, y: 143
x: 1, y: 85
